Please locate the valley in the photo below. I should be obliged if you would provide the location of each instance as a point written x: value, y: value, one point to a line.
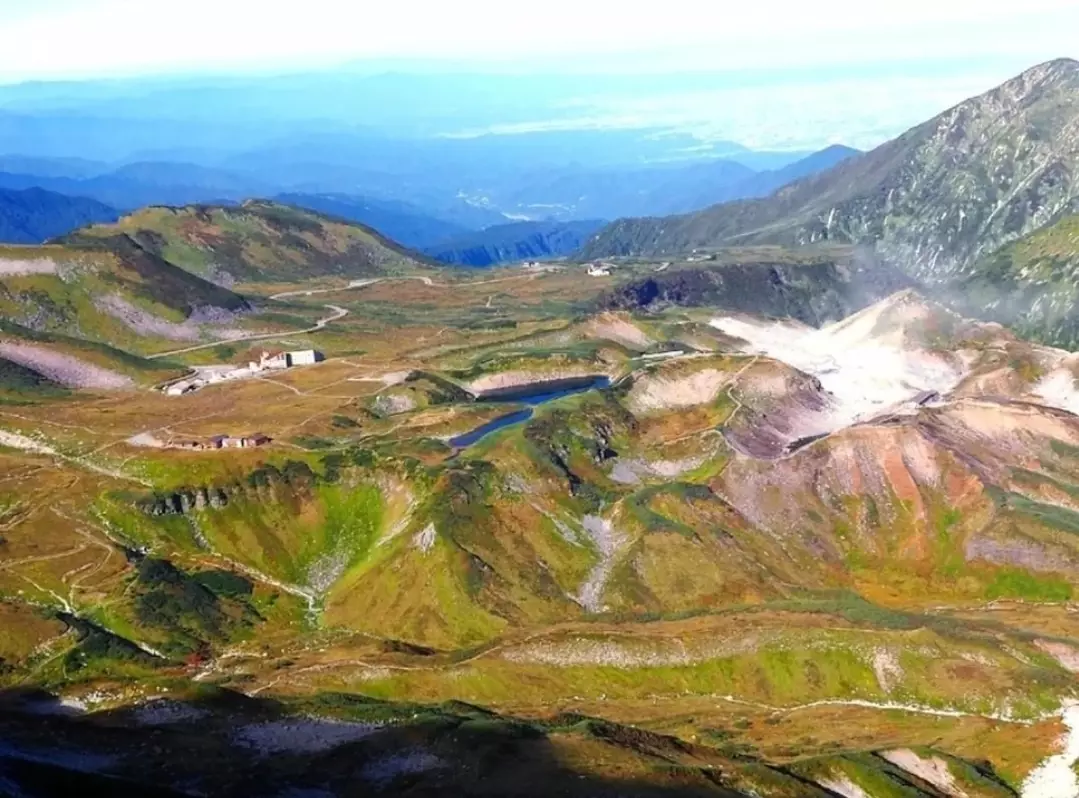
x: 703, y: 532
x: 774, y: 499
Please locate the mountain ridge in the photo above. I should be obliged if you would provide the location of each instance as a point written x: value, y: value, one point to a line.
x: 513, y: 242
x: 923, y: 198
x: 259, y: 240
x: 34, y: 215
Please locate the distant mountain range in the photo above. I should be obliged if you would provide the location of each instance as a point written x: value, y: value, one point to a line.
x: 403, y: 222
x: 656, y: 190
x: 421, y: 220
x: 140, y: 184
x: 515, y: 242
x: 934, y: 200
x: 34, y: 215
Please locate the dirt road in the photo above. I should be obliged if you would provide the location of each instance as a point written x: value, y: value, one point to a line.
x: 336, y: 314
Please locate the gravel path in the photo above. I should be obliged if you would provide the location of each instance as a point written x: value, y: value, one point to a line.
x: 15, y: 267
x: 608, y: 540
x: 337, y: 313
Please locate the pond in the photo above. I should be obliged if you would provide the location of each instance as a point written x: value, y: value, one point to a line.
x: 533, y: 395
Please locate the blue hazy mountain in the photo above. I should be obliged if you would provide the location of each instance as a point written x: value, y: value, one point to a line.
x: 515, y: 242
x: 657, y: 190
x: 34, y: 215
x: 139, y: 184
x: 466, y: 150
x: 405, y: 223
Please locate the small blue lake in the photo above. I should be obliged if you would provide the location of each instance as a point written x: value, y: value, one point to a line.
x: 533, y: 396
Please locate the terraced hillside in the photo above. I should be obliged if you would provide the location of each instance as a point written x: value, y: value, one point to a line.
x: 688, y: 551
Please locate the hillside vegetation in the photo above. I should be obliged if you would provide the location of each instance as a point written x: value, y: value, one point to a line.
x: 258, y: 242
x: 1031, y: 284
x: 706, y: 549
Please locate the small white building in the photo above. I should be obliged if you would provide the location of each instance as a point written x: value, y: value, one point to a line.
x: 598, y: 270
x: 274, y: 362
x: 305, y: 357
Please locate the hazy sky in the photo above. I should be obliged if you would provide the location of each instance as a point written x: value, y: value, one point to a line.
x: 74, y: 38
x: 850, y: 71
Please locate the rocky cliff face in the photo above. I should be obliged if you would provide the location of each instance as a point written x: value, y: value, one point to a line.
x: 267, y: 483
x: 810, y: 292
x: 934, y: 200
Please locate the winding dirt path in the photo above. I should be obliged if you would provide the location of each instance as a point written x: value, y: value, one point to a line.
x: 336, y: 314
x: 425, y: 280
x: 25, y: 444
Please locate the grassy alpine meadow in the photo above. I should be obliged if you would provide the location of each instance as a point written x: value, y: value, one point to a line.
x: 665, y: 557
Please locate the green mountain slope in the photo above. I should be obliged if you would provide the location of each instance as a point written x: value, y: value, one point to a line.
x: 107, y: 291
x: 934, y: 200
x: 259, y: 242
x: 1031, y: 284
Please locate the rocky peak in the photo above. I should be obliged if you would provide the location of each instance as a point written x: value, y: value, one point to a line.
x: 933, y: 201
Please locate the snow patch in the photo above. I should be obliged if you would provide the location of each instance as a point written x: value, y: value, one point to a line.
x: 657, y: 393
x: 887, y: 669
x: 16, y: 267
x: 607, y: 540
x: 842, y: 785
x: 1066, y: 655
x: 933, y: 770
x: 1054, y: 777
x: 424, y: 540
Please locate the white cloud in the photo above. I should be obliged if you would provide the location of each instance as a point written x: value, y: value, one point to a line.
x: 64, y: 38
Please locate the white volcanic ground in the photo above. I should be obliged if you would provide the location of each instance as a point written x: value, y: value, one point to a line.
x: 869, y: 363
x: 876, y: 362
x: 1058, y: 387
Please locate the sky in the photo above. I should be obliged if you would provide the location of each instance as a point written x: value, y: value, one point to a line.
x: 847, y: 71
x: 43, y: 39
